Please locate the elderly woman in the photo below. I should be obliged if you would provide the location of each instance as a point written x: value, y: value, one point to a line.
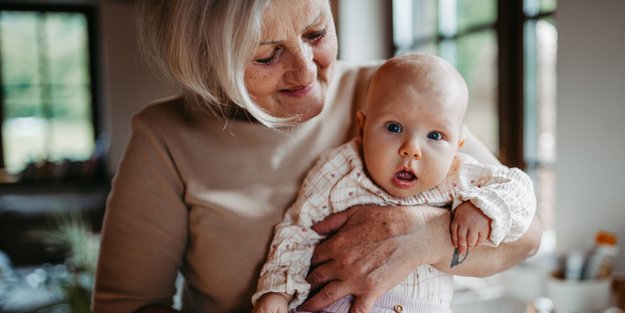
x: 207, y: 175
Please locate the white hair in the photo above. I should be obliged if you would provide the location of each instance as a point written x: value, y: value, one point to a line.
x: 205, y: 45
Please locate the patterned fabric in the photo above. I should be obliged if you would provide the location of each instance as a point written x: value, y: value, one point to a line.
x: 338, y: 182
x: 388, y: 303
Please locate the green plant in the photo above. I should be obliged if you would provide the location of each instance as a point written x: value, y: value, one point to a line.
x: 74, y: 236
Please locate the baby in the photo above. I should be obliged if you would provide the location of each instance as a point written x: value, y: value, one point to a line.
x: 407, y: 153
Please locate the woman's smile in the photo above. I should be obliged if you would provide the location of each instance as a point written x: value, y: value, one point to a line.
x: 298, y: 91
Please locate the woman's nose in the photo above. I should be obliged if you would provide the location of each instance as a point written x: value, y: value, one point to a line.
x: 411, y: 149
x: 302, y: 70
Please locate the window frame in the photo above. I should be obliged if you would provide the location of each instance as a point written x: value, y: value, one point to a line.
x: 512, y: 18
x: 90, y: 10
x: 509, y: 27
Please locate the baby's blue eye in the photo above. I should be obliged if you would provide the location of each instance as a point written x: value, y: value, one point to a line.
x: 435, y: 136
x: 394, y: 128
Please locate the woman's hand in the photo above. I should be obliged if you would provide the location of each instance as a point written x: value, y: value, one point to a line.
x: 370, y: 250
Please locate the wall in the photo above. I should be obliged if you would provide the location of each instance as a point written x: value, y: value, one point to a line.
x: 128, y: 85
x: 364, y: 34
x: 591, y: 122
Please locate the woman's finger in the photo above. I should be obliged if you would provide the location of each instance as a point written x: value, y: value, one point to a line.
x: 327, y: 295
x: 321, y: 275
x: 334, y: 222
x: 362, y: 304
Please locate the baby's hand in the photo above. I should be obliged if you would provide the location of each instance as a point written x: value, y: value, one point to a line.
x: 272, y: 303
x: 469, y: 227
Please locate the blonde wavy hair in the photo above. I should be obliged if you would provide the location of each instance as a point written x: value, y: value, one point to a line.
x: 205, y: 45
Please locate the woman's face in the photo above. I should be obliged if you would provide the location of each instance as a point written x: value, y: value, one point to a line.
x: 292, y: 67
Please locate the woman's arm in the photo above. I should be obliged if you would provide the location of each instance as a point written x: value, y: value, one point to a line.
x: 375, y: 248
x: 145, y: 228
x: 475, y: 148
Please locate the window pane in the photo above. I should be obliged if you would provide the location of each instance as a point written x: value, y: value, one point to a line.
x: 473, y: 13
x: 67, y: 48
x: 71, y: 138
x: 477, y: 62
x: 22, y: 101
x: 24, y: 141
x: 547, y: 5
x: 46, y: 82
x: 541, y: 119
x: 18, y: 35
x: 72, y: 132
x: 414, y: 24
x: 71, y: 102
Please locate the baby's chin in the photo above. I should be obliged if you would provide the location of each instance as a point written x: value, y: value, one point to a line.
x: 403, y: 193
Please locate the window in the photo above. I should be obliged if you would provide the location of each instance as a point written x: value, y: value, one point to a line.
x: 48, y: 95
x: 506, y: 51
x: 464, y: 33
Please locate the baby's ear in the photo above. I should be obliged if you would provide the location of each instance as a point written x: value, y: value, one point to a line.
x: 360, y: 122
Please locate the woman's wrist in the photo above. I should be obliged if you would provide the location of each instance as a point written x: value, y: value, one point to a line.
x: 430, y: 236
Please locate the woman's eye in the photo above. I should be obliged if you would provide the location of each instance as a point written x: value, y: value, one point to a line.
x: 435, y: 136
x: 271, y: 59
x: 394, y: 128
x: 314, y: 36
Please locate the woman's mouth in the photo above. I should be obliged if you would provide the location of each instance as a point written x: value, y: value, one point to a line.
x: 297, y: 91
x: 404, y: 178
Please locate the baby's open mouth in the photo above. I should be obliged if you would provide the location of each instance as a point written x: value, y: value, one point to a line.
x: 405, y: 175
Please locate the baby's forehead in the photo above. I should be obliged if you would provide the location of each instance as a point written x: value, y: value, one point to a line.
x: 425, y: 74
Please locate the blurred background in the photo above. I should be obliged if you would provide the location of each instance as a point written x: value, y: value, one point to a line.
x: 547, y: 95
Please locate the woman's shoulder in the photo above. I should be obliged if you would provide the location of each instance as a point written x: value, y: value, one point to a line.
x: 162, y: 109
x: 350, y: 83
x: 357, y: 69
x: 173, y: 112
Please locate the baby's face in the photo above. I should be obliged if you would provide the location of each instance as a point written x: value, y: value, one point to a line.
x: 410, y: 137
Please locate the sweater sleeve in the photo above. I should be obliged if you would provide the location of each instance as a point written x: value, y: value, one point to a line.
x: 505, y: 195
x: 145, y: 227
x: 294, y: 240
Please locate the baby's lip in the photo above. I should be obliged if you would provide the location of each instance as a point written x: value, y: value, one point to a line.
x: 406, y: 174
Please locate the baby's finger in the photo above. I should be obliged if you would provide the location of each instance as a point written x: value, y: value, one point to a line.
x: 472, y: 237
x: 462, y: 239
x: 454, y: 234
x: 480, y: 239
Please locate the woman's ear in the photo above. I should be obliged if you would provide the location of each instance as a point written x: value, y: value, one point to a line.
x: 360, y: 122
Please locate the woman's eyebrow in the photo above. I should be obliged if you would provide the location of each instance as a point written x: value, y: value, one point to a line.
x: 275, y: 42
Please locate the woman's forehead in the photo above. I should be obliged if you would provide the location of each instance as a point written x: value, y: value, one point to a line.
x: 286, y: 16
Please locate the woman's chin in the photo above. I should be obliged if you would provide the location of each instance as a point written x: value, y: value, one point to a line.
x: 310, y: 113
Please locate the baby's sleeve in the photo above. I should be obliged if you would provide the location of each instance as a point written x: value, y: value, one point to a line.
x: 505, y: 195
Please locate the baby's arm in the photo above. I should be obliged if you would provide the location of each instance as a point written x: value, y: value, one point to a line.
x: 273, y: 302
x: 503, y: 195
